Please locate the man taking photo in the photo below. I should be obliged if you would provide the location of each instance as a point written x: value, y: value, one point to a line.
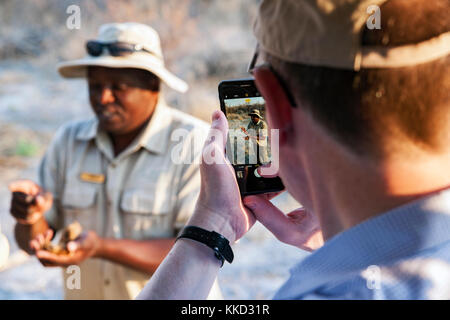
x: 363, y: 117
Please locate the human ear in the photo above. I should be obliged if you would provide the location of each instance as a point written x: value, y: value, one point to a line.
x: 278, y: 107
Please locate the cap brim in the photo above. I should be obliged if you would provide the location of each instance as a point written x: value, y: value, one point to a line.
x: 78, y: 68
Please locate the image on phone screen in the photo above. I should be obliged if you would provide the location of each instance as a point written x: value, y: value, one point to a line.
x: 248, y: 145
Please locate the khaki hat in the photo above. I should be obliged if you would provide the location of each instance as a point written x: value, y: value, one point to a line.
x: 133, y: 33
x: 255, y: 112
x: 328, y: 33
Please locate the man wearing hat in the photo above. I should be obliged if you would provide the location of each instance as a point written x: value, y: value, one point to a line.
x: 257, y: 132
x: 363, y: 119
x: 114, y: 174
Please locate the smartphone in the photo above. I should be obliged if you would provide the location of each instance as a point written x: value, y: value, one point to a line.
x: 248, y: 145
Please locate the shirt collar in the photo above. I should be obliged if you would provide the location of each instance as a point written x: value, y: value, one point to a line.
x: 154, y: 137
x: 396, y: 234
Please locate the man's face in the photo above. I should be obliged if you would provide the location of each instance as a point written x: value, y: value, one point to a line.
x: 255, y: 119
x: 121, y: 98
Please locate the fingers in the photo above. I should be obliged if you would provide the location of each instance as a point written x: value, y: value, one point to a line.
x: 81, y: 242
x: 21, y: 210
x: 25, y: 214
x: 27, y: 208
x: 219, y: 129
x: 25, y: 186
x: 73, y: 246
x: 48, y: 235
x: 37, y: 243
x: 51, y: 259
x: 41, y: 239
x: 270, y: 216
x: 26, y: 192
x: 34, y: 245
x: 44, y: 201
x: 213, y: 151
x: 266, y: 171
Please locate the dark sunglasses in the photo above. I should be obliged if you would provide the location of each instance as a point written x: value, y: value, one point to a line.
x: 252, y: 67
x: 115, y: 49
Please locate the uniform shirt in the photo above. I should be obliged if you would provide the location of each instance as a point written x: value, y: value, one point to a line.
x: 140, y: 194
x: 258, y: 129
x: 401, y: 254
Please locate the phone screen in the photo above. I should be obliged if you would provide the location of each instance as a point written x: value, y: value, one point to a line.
x: 248, y: 144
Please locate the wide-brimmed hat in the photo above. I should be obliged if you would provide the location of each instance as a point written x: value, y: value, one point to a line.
x: 255, y: 112
x: 133, y: 33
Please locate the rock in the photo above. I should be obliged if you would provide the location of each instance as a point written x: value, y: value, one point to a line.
x: 70, y: 233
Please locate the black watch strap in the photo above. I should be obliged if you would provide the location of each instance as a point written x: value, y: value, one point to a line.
x: 214, y: 240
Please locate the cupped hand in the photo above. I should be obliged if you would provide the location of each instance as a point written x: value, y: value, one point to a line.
x: 86, y: 246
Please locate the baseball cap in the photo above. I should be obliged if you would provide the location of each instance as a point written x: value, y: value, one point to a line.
x: 132, y: 33
x: 328, y: 33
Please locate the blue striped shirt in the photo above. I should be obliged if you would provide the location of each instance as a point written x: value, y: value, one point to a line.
x: 401, y: 254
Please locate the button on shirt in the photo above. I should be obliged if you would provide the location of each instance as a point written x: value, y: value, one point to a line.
x: 401, y: 254
x: 147, y: 191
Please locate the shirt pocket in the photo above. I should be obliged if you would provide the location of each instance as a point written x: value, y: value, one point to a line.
x: 145, y: 214
x: 79, y: 204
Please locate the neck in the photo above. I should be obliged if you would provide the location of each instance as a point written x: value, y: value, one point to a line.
x: 358, y: 193
x: 348, y: 189
x: 122, y: 141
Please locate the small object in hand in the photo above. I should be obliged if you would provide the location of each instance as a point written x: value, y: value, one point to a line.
x: 70, y: 233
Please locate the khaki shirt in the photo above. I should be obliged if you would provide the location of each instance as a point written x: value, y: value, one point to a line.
x: 259, y: 129
x: 140, y: 194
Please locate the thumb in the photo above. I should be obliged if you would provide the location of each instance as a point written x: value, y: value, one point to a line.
x: 267, y: 171
x: 270, y: 216
x: 215, y: 144
x: 219, y: 129
x: 73, y: 246
x: 44, y: 201
x: 79, y: 243
x: 24, y: 186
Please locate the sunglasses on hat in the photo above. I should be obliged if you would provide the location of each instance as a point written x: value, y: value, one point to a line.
x: 115, y: 49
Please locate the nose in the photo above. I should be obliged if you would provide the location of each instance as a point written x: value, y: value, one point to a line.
x: 107, y: 95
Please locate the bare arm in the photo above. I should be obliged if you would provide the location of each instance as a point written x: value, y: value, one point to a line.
x: 25, y: 233
x: 188, y: 272
x: 145, y: 255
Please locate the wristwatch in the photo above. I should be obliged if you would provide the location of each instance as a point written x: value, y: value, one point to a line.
x: 214, y: 240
